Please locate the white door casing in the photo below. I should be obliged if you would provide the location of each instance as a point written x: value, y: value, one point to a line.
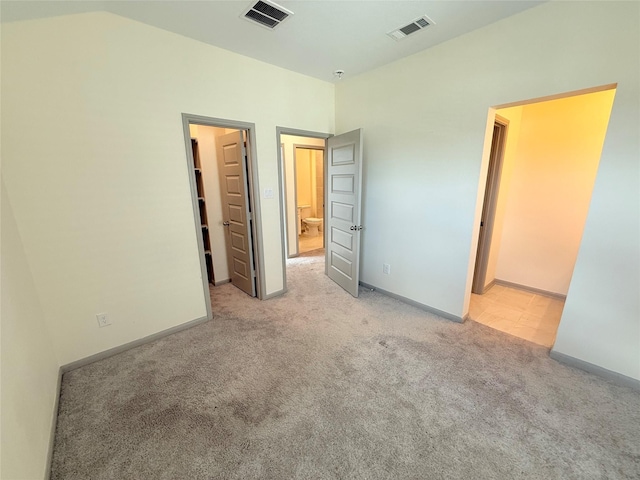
x: 232, y: 163
x: 343, y: 215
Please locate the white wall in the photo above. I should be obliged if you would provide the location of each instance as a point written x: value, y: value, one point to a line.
x: 211, y: 182
x: 552, y: 173
x: 425, y: 124
x: 29, y: 365
x: 288, y: 142
x: 102, y: 204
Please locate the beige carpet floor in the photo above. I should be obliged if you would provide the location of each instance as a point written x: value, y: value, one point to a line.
x: 319, y: 385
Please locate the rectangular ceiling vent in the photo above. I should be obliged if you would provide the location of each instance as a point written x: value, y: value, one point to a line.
x: 415, y: 26
x: 267, y: 14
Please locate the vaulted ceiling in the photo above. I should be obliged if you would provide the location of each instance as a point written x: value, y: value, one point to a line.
x: 321, y: 36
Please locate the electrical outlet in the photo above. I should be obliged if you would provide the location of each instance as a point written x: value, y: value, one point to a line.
x: 103, y: 320
x: 386, y: 268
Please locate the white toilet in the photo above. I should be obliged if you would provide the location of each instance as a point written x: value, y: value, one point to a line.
x: 313, y: 226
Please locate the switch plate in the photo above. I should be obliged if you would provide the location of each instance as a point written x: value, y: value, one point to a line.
x: 268, y: 193
x: 386, y: 268
x: 103, y: 320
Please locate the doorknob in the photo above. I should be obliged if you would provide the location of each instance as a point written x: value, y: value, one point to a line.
x: 226, y: 224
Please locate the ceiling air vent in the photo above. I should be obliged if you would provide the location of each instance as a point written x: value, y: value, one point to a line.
x: 267, y: 14
x: 415, y: 26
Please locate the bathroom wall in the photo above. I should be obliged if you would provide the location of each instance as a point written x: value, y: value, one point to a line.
x: 303, y: 178
x: 319, y: 159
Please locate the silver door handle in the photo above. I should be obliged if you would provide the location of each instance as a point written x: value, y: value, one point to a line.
x: 226, y: 224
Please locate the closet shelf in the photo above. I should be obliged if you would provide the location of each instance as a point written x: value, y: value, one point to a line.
x: 202, y: 206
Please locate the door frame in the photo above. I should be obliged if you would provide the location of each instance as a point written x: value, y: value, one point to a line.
x: 489, y: 205
x: 282, y: 192
x: 295, y: 186
x: 251, y: 179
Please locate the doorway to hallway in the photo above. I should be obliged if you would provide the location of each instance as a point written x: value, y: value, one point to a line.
x: 538, y: 190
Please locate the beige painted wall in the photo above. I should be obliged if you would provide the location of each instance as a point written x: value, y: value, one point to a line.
x: 288, y: 141
x: 551, y: 177
x: 29, y: 364
x: 426, y: 171
x: 103, y: 206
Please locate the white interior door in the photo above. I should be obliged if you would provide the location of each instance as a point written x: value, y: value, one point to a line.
x: 344, y: 191
x: 232, y: 164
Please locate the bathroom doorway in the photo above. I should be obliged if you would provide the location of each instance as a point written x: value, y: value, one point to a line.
x: 302, y: 172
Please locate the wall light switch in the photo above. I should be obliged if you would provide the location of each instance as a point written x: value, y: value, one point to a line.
x: 268, y: 193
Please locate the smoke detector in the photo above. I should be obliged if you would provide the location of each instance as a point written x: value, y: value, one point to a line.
x: 413, y: 27
x: 266, y: 14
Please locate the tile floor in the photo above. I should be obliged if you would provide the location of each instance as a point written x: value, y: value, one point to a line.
x: 307, y: 244
x: 517, y: 312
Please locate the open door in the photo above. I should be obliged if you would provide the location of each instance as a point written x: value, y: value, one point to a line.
x: 490, y: 202
x: 232, y: 163
x: 344, y: 192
